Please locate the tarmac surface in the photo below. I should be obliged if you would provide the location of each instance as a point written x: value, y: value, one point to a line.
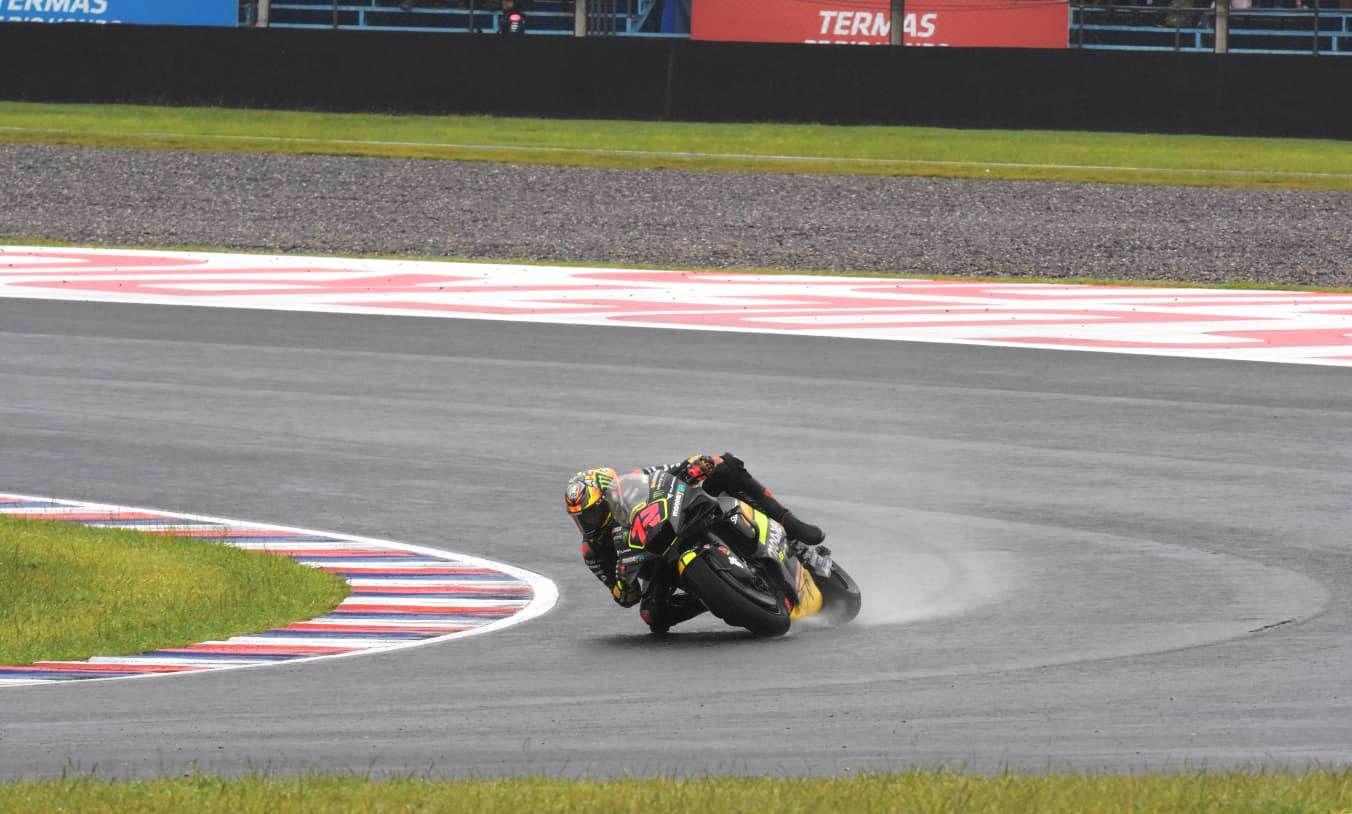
x: 1069, y: 560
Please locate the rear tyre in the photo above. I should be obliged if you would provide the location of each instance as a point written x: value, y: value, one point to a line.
x: 733, y: 601
x: 841, y: 599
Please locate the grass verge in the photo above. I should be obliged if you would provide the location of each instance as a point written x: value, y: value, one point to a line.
x: 942, y: 791
x: 1240, y: 285
x: 863, y: 150
x: 71, y: 591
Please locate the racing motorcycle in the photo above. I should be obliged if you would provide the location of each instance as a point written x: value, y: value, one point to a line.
x: 728, y: 554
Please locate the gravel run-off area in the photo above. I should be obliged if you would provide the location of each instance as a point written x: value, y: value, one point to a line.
x: 319, y: 204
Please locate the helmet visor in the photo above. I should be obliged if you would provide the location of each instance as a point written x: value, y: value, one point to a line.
x: 593, y: 518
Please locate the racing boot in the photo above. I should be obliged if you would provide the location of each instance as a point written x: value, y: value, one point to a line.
x: 798, y: 530
x: 662, y: 615
x: 730, y: 476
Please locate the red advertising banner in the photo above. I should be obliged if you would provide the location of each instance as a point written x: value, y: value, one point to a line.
x: 959, y: 23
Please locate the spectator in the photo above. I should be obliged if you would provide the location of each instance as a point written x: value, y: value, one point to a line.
x: 512, y: 23
x: 1181, y: 15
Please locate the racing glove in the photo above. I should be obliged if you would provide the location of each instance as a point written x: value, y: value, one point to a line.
x: 626, y: 590
x: 697, y: 467
x: 626, y: 596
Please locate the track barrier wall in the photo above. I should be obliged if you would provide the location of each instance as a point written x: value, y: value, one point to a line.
x: 680, y: 80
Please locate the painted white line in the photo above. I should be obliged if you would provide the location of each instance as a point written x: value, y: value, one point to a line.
x: 64, y: 508
x: 335, y: 621
x: 420, y: 565
x: 1292, y: 327
x: 335, y: 547
x: 153, y: 527
x: 168, y: 661
x: 365, y: 645
x: 544, y: 597
x: 394, y: 583
x: 430, y: 602
x: 683, y: 154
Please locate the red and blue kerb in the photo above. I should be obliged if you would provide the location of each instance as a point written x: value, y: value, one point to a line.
x: 400, y: 595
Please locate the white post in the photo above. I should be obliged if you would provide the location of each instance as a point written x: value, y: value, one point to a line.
x: 580, y: 18
x: 264, y: 13
x: 1222, y: 26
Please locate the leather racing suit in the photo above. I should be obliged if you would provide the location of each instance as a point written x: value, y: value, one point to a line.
x: 664, y: 605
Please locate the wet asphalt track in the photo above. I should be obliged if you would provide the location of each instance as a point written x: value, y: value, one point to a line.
x: 1070, y: 560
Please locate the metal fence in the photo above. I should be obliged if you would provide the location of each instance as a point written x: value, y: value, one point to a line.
x: 1166, y: 25
x: 633, y: 18
x: 1181, y: 27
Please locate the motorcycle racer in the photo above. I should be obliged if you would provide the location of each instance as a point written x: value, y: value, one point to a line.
x: 664, y: 606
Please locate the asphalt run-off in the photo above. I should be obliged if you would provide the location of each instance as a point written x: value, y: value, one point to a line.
x: 1256, y: 325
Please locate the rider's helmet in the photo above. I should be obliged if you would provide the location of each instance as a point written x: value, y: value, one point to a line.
x: 585, y: 500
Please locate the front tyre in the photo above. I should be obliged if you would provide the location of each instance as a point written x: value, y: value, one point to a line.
x: 734, y: 601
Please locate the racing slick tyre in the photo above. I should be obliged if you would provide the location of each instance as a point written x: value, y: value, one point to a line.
x: 736, y: 602
x: 841, y: 599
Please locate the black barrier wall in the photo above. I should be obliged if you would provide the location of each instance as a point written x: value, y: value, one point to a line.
x: 649, y: 79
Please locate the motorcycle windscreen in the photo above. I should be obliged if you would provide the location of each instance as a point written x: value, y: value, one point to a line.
x: 642, y: 512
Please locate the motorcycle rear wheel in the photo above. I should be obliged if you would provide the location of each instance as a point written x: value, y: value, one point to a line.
x: 728, y: 599
x: 841, y: 599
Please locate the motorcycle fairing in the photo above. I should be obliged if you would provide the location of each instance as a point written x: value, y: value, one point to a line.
x: 723, y: 558
x: 772, y: 545
x: 655, y: 510
x: 648, y: 509
x: 809, y: 595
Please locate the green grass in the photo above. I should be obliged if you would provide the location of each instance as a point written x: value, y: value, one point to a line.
x: 1191, y: 792
x: 70, y: 592
x: 867, y: 150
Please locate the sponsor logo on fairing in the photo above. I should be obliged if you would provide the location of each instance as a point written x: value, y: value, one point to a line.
x: 774, y: 540
x: 676, y: 503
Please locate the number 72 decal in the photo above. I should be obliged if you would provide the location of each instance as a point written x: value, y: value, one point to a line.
x: 646, y: 520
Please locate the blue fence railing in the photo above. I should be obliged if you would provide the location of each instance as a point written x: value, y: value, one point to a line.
x: 618, y: 17
x: 1181, y: 28
x: 1175, y: 25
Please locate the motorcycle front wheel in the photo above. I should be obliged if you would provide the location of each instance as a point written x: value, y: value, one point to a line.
x: 733, y: 600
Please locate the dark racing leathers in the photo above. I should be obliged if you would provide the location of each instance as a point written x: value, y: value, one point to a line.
x: 665, y: 606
